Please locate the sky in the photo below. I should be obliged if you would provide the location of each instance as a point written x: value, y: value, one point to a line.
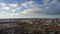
x: 29, y: 8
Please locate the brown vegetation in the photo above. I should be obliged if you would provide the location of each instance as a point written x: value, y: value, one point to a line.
x: 35, y: 26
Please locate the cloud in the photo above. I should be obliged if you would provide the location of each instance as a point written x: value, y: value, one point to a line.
x: 51, y: 8
x: 2, y: 12
x: 13, y: 5
x: 16, y: 9
x: 29, y: 4
x: 45, y: 2
x: 32, y: 11
x: 14, y: 14
x: 3, y: 4
x: 9, y: 7
x: 6, y: 8
x: 13, y: 10
x: 31, y: 7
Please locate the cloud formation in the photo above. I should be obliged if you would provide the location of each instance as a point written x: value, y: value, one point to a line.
x: 5, y: 8
x: 51, y: 8
x: 29, y: 4
x: 47, y: 7
x: 32, y: 11
x: 13, y: 5
x: 8, y: 9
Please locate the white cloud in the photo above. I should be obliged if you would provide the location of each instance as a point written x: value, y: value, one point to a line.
x: 16, y: 9
x: 5, y: 8
x: 3, y: 4
x: 29, y: 4
x: 32, y: 11
x: 28, y: 11
x: 14, y: 14
x: 53, y: 3
x: 32, y: 8
x: 48, y: 9
x: 13, y: 5
x: 9, y: 7
x: 13, y: 10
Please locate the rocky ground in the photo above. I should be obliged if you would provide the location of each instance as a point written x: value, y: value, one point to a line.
x: 31, y: 26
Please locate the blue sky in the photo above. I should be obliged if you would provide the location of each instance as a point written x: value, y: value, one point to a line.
x: 29, y: 8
